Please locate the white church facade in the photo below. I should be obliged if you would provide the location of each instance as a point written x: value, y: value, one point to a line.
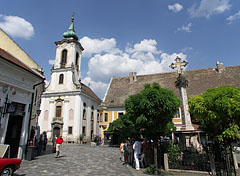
x: 68, y: 107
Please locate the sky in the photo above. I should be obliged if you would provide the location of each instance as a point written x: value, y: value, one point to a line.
x: 122, y: 36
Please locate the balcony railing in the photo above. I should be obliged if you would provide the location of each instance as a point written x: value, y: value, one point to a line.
x: 57, y: 119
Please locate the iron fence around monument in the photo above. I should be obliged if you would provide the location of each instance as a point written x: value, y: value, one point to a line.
x: 191, y: 161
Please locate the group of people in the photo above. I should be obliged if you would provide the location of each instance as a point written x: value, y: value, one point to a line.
x: 42, y: 143
x: 133, y: 152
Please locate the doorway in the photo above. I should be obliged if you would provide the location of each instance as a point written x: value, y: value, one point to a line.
x: 13, y: 134
x: 56, y: 131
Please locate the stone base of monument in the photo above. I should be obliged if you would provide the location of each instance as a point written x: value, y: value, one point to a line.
x: 187, y: 128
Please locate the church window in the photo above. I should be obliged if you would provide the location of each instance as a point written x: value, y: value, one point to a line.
x: 84, y: 111
x: 69, y: 130
x: 84, y: 114
x: 120, y: 114
x: 46, y: 115
x: 77, y: 60
x: 64, y: 58
x: 61, y: 77
x: 58, y: 111
x: 106, y: 117
x: 71, y: 114
x: 84, y: 130
x: 92, y: 114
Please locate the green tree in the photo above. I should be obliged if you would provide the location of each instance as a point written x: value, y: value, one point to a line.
x: 151, y: 111
x: 218, y: 113
x: 122, y: 127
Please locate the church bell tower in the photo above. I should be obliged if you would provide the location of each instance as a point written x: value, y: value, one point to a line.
x: 66, y: 71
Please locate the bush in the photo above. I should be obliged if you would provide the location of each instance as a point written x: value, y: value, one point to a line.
x: 174, y: 154
x: 150, y: 169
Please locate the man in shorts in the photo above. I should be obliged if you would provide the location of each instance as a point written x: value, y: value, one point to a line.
x: 59, y: 144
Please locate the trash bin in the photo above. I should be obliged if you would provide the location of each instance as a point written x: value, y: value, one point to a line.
x: 30, y: 153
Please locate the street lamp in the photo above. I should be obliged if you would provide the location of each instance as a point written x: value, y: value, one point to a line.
x: 38, y: 112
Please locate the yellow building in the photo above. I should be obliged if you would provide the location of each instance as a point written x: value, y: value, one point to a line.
x: 9, y: 45
x: 107, y: 116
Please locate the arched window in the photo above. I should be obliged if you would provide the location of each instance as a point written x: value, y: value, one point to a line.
x: 61, y: 77
x: 64, y: 58
x: 92, y: 113
x: 58, y: 111
x: 84, y: 111
x: 77, y: 60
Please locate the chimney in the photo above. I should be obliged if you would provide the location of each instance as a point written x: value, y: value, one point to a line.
x: 133, y: 77
x: 219, y: 67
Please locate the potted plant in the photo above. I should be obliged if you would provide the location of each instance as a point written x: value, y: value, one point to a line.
x: 81, y: 138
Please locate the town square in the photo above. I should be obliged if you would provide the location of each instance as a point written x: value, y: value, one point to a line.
x: 119, y: 88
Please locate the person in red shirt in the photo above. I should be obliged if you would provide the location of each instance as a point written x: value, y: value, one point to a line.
x: 59, y: 144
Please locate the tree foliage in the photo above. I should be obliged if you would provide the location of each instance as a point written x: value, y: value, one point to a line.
x: 218, y: 112
x: 152, y: 110
x: 148, y: 113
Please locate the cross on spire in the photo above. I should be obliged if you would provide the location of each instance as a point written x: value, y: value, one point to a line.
x: 73, y: 16
x: 179, y: 65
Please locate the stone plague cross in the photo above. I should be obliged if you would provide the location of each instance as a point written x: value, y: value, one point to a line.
x: 178, y: 65
x: 181, y: 84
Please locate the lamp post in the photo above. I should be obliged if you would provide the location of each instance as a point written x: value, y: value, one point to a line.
x: 38, y: 112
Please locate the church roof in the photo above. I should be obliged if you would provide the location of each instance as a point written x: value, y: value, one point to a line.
x: 70, y: 34
x: 199, y: 81
x: 10, y: 58
x: 89, y: 92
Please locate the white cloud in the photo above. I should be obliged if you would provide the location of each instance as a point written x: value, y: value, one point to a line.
x: 51, y: 62
x: 175, y: 7
x: 143, y: 57
x: 236, y: 16
x: 187, y: 49
x: 208, y: 8
x: 97, y: 46
x: 98, y: 86
x: 16, y: 26
x: 185, y: 28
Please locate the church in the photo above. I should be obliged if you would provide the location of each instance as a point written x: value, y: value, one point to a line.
x: 68, y: 107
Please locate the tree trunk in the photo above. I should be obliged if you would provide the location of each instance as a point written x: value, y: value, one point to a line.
x: 155, y: 158
x: 228, y: 164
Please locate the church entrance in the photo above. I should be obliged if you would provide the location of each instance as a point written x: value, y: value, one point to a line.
x: 56, y: 131
x: 13, y: 134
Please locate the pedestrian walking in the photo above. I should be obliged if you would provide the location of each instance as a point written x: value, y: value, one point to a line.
x: 45, y: 140
x: 137, y: 151
x: 39, y: 145
x: 126, y: 152
x: 59, y: 145
x: 121, y: 151
x: 54, y: 142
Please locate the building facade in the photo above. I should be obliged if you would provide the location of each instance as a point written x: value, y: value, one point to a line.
x: 17, y: 92
x: 68, y: 107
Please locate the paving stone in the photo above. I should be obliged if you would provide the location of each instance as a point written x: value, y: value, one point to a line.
x: 76, y: 160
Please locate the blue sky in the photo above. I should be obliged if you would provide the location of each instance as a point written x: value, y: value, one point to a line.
x: 120, y: 36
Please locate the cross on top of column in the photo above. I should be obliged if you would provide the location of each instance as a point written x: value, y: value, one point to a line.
x: 179, y: 65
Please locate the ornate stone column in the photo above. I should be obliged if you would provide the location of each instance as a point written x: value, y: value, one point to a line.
x: 182, y: 84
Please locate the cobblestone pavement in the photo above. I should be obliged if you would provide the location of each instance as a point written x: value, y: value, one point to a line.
x: 83, y: 160
x: 76, y: 160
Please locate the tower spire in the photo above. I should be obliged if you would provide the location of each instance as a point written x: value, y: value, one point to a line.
x: 70, y: 34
